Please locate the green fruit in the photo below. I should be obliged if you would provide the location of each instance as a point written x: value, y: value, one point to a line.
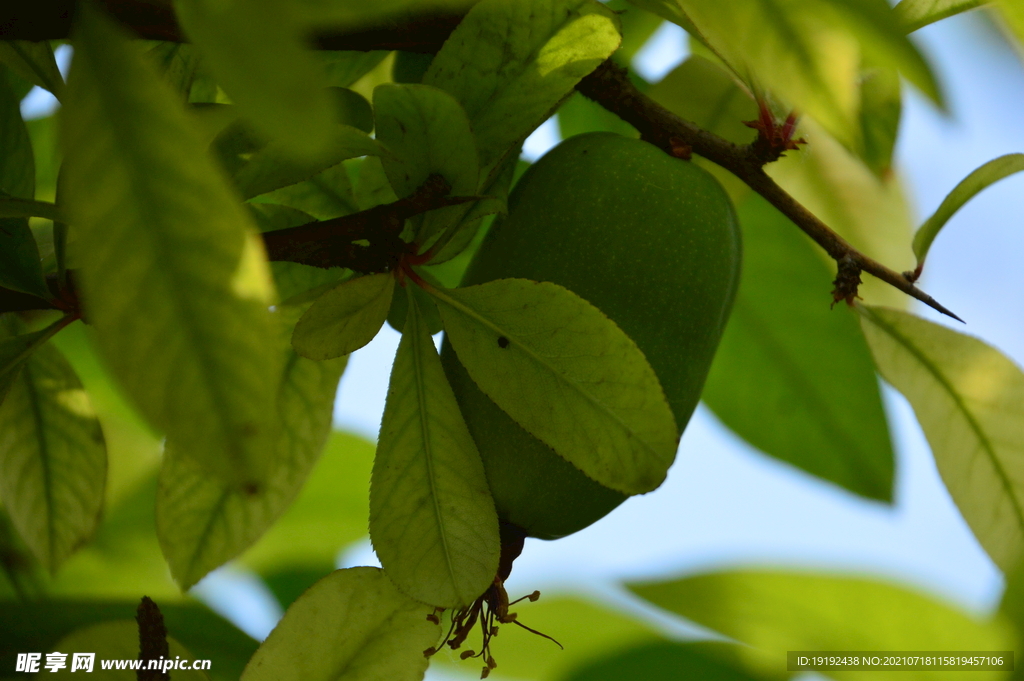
x: 650, y: 240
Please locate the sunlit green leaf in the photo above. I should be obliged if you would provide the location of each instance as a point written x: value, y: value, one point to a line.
x: 511, y: 63
x: 568, y: 375
x: 428, y: 132
x: 432, y: 519
x: 40, y: 625
x: 1012, y: 14
x: 969, y: 399
x: 815, y: 403
x: 979, y: 180
x: 915, y: 14
x: 776, y: 611
x: 174, y: 276
x: 345, y: 318
x: 669, y: 661
x: 272, y: 167
x: 255, y: 50
x: 33, y: 61
x: 869, y: 211
x: 203, y: 522
x: 117, y: 641
x: 331, y: 511
x: 807, y: 53
x: 353, y: 625
x: 53, y: 463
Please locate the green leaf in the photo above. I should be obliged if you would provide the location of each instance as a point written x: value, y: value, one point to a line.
x: 352, y: 625
x: 38, y: 625
x: 915, y: 14
x: 777, y: 611
x: 33, y: 61
x: 118, y: 640
x: 53, y: 463
x: 178, y: 63
x: 880, y: 109
x: 805, y: 53
x: 343, y: 68
x: 432, y: 519
x: 400, y: 307
x: 272, y: 167
x: 815, y: 403
x: 11, y: 207
x: 372, y: 188
x: 638, y: 26
x: 16, y: 349
x: 326, y: 195
x: 174, y: 276
x: 701, y: 91
x: 670, y: 661
x: 428, y: 132
x: 203, y: 522
x: 969, y: 399
x: 331, y: 511
x: 979, y: 179
x: 1012, y: 14
x: 256, y: 52
x: 568, y: 375
x: 345, y: 318
x: 828, y: 180
x: 579, y: 115
x: 510, y: 64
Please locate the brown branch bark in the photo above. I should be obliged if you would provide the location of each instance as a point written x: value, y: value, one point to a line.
x: 155, y: 20
x: 609, y: 86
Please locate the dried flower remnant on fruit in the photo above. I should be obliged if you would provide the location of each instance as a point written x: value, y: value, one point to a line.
x: 490, y: 609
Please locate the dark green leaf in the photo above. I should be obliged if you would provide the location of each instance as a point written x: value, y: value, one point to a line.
x: 432, y: 519
x: 203, y: 522
x: 665, y: 661
x: 353, y: 109
x: 969, y: 399
x: 345, y: 68
x: 11, y: 207
x: 256, y: 52
x: 511, y: 63
x: 776, y: 611
x: 880, y: 109
x: 344, y: 318
x: 178, y: 63
x: 352, y: 625
x: 326, y: 195
x: 428, y: 133
x: 16, y: 349
x: 33, y: 61
x: 815, y: 403
x: 53, y: 462
x: 524, y: 342
x: 980, y: 179
x: 400, y: 307
x: 119, y: 640
x: 272, y: 167
x: 173, y: 272
x: 39, y: 625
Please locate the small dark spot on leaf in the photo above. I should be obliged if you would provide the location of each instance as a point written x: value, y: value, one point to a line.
x: 502, y: 342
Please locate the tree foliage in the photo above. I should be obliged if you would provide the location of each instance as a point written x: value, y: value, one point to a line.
x: 234, y: 196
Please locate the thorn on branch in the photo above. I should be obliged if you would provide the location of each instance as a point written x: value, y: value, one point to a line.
x: 847, y: 281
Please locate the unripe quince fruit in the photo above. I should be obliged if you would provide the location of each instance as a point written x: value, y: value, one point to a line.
x: 654, y: 243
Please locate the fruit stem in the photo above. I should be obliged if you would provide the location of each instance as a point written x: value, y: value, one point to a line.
x: 609, y: 86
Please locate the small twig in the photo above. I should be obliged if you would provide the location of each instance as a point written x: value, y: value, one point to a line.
x: 609, y: 86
